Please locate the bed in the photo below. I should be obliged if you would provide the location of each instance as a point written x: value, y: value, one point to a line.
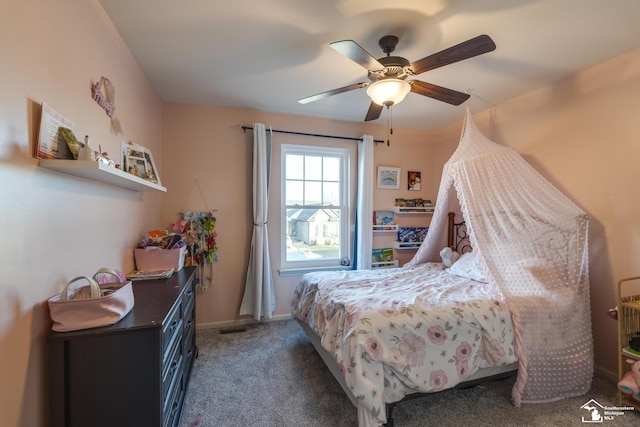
x: 392, y: 334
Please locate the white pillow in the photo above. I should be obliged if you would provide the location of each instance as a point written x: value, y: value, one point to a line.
x: 467, y: 268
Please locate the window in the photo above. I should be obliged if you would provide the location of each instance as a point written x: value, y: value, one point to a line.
x: 316, y: 216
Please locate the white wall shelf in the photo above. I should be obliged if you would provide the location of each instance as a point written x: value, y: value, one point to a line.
x: 386, y: 228
x: 100, y: 172
x: 385, y: 264
x: 406, y: 245
x: 416, y: 210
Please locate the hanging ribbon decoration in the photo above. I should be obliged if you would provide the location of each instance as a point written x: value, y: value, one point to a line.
x: 107, y: 100
x: 200, y: 231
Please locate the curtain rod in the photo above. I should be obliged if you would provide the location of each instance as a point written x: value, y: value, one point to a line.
x: 377, y: 141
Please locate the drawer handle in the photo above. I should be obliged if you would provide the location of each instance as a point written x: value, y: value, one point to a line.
x: 174, y: 365
x: 173, y: 325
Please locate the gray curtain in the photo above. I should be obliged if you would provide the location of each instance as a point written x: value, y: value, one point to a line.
x: 259, y: 296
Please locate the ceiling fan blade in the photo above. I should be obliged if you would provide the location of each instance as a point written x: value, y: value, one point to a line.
x: 329, y: 93
x: 374, y: 112
x: 357, y: 54
x: 440, y: 93
x: 472, y: 47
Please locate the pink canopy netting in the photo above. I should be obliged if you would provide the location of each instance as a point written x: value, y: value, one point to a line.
x: 532, y: 241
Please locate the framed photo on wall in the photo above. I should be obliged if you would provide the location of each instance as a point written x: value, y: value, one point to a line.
x: 414, y: 180
x: 388, y: 178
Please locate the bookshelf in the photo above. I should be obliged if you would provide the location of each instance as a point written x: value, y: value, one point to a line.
x: 628, y: 327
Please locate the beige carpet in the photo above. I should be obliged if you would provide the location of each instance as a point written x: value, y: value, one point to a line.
x: 270, y: 375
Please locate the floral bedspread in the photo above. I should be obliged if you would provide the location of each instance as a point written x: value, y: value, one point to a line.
x: 404, y: 330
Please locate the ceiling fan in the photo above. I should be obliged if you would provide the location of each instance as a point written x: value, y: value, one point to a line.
x: 387, y: 75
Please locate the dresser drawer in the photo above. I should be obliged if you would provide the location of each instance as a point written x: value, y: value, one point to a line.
x: 189, y: 348
x: 171, y: 369
x: 173, y: 406
x: 188, y: 298
x: 171, y: 329
x: 189, y: 323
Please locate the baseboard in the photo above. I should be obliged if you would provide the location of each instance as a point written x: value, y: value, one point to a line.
x: 605, y: 373
x: 238, y: 322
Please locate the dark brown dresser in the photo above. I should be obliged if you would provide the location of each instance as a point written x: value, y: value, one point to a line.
x: 133, y: 373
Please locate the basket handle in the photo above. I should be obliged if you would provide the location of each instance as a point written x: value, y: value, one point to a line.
x: 95, y: 289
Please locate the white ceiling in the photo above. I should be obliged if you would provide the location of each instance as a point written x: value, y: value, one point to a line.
x: 267, y: 54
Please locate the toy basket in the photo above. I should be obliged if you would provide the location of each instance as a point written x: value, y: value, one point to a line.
x: 103, y: 305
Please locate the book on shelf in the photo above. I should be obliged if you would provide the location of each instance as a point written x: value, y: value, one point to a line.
x: 149, y: 274
x: 631, y: 352
x: 412, y: 234
x: 414, y: 205
x: 382, y: 255
x: 383, y: 217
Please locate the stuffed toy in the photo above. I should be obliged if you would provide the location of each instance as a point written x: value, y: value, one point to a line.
x: 630, y: 382
x: 449, y: 256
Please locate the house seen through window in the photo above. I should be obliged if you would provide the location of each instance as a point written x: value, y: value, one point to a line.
x: 316, y: 220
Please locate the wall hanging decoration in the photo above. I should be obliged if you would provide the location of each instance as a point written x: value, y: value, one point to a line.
x: 199, y: 229
x: 104, y: 94
x: 414, y: 179
x: 388, y: 178
x: 198, y: 226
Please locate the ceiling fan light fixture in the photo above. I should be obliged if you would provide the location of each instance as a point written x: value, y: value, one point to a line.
x: 388, y: 91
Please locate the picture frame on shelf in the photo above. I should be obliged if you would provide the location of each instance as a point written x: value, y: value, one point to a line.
x: 137, y: 166
x: 129, y: 150
x: 131, y: 153
x: 414, y: 179
x: 388, y: 178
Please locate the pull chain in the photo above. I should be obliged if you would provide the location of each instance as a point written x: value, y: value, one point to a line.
x: 389, y: 125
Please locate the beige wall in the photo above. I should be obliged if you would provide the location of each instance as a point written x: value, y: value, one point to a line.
x: 54, y: 226
x: 207, y: 150
x: 583, y: 135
